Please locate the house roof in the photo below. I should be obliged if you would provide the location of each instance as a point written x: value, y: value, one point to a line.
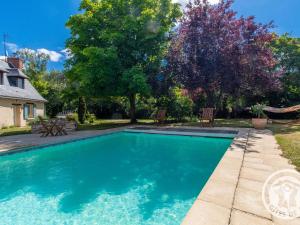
x: 7, y: 91
x: 4, y: 66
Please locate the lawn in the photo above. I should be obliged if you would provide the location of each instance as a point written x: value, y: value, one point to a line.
x: 288, y: 136
x: 106, y: 124
x: 15, y: 131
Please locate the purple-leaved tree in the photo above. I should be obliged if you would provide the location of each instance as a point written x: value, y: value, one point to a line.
x: 222, y: 54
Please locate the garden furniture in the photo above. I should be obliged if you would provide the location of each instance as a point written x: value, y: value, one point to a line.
x: 207, y: 117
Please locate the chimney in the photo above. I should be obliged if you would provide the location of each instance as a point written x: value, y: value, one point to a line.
x: 15, y: 62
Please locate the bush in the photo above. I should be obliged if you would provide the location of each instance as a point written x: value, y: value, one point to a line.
x: 145, y: 107
x: 72, y: 117
x: 90, y: 118
x: 34, y: 121
x: 180, y: 106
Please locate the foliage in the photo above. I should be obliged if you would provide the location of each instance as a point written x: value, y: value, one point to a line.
x: 116, y: 45
x: 72, y: 117
x: 258, y: 110
x: 180, y: 105
x: 81, y: 109
x: 90, y: 118
x: 56, y: 84
x: 145, y: 106
x: 218, y: 54
x: 35, y: 68
x: 51, y: 85
x: 287, y: 52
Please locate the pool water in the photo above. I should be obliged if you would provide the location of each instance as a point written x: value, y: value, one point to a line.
x: 121, y: 178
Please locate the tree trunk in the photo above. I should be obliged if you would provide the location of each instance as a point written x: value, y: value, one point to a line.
x: 210, y: 99
x: 132, y: 108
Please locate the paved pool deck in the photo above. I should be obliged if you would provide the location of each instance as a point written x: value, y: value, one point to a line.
x: 232, y: 195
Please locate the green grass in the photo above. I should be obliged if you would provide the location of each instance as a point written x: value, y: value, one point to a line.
x: 288, y: 137
x: 106, y: 124
x: 225, y: 123
x: 14, y: 131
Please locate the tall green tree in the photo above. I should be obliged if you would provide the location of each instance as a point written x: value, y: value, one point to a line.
x: 35, y: 68
x: 50, y: 84
x: 117, y: 45
x: 287, y: 51
x: 56, y: 91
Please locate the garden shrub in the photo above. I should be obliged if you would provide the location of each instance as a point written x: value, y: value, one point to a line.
x: 90, y: 117
x: 180, y: 106
x: 72, y: 117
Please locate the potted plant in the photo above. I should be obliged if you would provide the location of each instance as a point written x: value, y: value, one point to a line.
x: 261, y: 121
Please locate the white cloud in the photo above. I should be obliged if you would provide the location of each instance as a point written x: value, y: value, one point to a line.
x: 67, y: 53
x: 54, y: 56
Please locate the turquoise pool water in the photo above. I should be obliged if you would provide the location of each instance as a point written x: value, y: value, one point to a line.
x: 122, y: 178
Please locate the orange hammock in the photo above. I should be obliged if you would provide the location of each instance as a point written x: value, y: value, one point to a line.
x: 282, y: 110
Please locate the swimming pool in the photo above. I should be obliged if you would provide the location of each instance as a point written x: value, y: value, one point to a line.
x: 120, y: 178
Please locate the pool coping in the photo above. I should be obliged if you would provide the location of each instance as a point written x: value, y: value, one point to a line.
x: 208, y: 208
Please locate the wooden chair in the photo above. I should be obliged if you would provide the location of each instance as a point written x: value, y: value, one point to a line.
x: 47, y: 127
x: 60, y: 127
x: 207, y: 117
x: 160, y: 116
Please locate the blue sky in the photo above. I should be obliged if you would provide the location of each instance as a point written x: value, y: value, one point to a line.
x: 40, y: 25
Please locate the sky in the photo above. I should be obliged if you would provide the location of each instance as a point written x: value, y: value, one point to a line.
x: 40, y: 25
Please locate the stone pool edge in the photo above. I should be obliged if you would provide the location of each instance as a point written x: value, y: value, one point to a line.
x: 215, y: 202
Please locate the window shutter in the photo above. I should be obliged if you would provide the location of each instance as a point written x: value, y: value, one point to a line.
x: 34, y: 110
x: 25, y: 111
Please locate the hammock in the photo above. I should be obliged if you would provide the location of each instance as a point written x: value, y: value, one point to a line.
x: 282, y: 110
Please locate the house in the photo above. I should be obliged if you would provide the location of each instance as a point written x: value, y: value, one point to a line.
x: 19, y: 100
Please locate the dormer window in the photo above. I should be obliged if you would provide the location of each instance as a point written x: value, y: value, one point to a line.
x: 1, y: 78
x: 16, y: 81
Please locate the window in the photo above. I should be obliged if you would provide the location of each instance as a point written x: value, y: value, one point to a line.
x: 29, y: 111
x: 1, y: 78
x: 16, y: 82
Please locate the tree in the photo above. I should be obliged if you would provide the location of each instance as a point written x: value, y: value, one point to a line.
x: 56, y: 90
x: 35, y: 68
x: 287, y: 52
x: 81, y: 109
x: 50, y: 84
x: 116, y: 45
x: 222, y: 55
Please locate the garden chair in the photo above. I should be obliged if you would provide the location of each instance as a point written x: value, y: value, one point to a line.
x: 160, y: 116
x: 207, y: 117
x: 60, y: 127
x: 47, y: 127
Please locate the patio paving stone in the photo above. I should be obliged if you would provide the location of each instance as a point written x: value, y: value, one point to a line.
x: 241, y: 218
x: 203, y: 212
x: 218, y: 192
x: 250, y: 201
